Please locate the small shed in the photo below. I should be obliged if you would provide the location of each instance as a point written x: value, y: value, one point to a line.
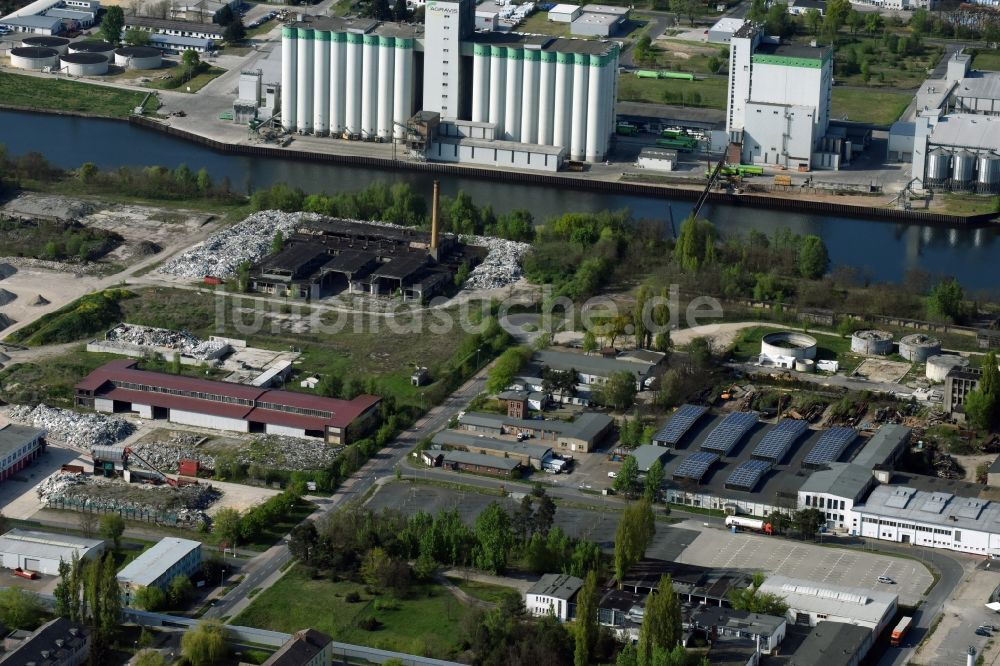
x: 647, y: 454
x: 564, y: 13
x: 657, y: 159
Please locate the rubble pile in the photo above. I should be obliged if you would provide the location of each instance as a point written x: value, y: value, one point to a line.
x: 502, y: 265
x: 288, y: 453
x: 80, y: 431
x: 95, y: 493
x: 132, y: 335
x: 223, y: 252
x: 167, y: 453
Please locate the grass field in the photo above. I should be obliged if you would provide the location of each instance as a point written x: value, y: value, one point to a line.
x: 177, y: 82
x: 427, y: 622
x: 970, y: 204
x: 484, y: 591
x: 706, y: 93
x: 868, y: 106
x: 51, y: 381
x: 988, y: 60
x: 539, y: 24
x: 54, y: 95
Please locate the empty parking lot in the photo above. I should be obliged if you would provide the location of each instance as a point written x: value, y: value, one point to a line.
x: 716, y: 547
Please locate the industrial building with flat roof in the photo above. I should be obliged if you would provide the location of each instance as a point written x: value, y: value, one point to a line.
x: 43, y: 551
x: 833, y: 644
x: 722, y: 622
x: 526, y: 453
x: 19, y: 446
x: 593, y: 369
x: 159, y: 565
x: 581, y: 435
x: 119, y: 386
x: 358, y: 78
x: 58, y: 642
x: 481, y: 463
x: 810, y: 602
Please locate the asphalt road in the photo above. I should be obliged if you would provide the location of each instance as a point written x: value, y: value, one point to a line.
x: 383, y: 464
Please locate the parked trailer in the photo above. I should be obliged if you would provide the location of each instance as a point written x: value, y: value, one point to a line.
x: 681, y: 145
x: 626, y: 129
x: 749, y: 170
x: 754, y: 524
x: 900, y: 631
x: 647, y: 74
x: 683, y: 76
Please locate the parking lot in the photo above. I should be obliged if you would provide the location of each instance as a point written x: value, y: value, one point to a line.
x: 716, y: 547
x: 962, y: 613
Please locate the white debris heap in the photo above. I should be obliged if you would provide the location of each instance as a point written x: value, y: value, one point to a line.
x: 502, y: 265
x: 133, y: 335
x: 80, y: 431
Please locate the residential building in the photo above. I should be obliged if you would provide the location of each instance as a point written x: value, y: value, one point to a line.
x: 833, y: 644
x: 526, y: 453
x: 778, y: 106
x: 810, y: 602
x: 178, y: 45
x: 726, y: 623
x: 19, y: 446
x: 159, y: 565
x: 554, y: 594
x: 58, y: 642
x: 160, y: 26
x: 43, y: 551
x: 581, y: 435
x: 481, y: 463
x: 119, y: 386
x: 517, y: 403
x: 308, y: 647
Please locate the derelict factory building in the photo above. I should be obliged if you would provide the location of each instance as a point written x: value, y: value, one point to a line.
x: 365, y: 79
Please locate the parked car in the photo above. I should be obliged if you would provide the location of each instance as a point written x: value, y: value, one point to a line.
x: 612, y: 475
x: 982, y: 632
x: 886, y: 580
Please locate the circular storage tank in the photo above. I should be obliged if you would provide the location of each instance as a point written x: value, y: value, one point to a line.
x: 34, y: 57
x: 788, y: 343
x: 872, y: 343
x: 45, y: 41
x: 104, y: 48
x: 988, y: 175
x: 138, y: 57
x: 964, y: 164
x: 919, y: 347
x: 85, y: 64
x: 805, y: 365
x: 937, y: 165
x: 939, y: 366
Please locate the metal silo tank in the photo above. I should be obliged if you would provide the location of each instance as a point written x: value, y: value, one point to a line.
x: 498, y: 87
x: 304, y: 103
x: 529, y: 96
x: 546, y: 94
x: 988, y: 175
x: 512, y: 103
x: 402, y: 96
x: 937, y: 165
x: 480, y: 83
x: 289, y: 77
x: 965, y: 163
x: 386, y: 65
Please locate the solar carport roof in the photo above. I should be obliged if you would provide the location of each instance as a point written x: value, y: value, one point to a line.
x: 679, y: 424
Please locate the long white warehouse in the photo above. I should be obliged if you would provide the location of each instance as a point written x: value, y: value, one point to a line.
x: 364, y: 79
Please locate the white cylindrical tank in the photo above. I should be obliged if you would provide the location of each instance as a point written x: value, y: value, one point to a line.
x: 304, y: 104
x: 402, y: 96
x: 612, y: 94
x: 321, y: 85
x: 939, y: 365
x: 512, y: 108
x: 59, y: 44
x: 289, y: 77
x: 480, y: 83
x: 338, y: 81
x: 595, y: 108
x: 918, y: 347
x: 562, y: 126
x: 578, y: 114
x: 871, y: 342
x: 546, y: 95
x: 106, y: 49
x: 529, y: 96
x: 498, y: 84
x: 34, y: 57
x: 369, y: 87
x: 84, y: 64
x: 386, y: 85
x: 138, y: 57
x: 352, y: 91
x: 805, y: 365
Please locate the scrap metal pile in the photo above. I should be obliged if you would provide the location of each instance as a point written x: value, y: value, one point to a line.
x: 80, y: 431
x: 147, y: 336
x: 285, y: 453
x: 502, y: 265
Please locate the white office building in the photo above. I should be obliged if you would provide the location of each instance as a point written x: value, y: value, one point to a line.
x: 778, y: 107
x: 364, y: 79
x: 554, y: 594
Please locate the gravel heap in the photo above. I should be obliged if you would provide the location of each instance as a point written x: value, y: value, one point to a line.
x: 165, y: 454
x: 80, y: 431
x: 223, y: 252
x: 115, y: 495
x: 287, y: 453
x: 185, y: 343
x: 502, y: 265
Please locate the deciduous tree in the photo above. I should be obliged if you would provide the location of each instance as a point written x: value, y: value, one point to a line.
x: 112, y: 528
x: 112, y: 24
x: 586, y: 620
x: 204, y: 645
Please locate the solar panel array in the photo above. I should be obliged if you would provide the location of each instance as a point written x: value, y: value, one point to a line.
x: 695, y: 465
x: 747, y: 475
x: 728, y: 433
x: 830, y: 447
x: 779, y: 439
x: 679, y: 424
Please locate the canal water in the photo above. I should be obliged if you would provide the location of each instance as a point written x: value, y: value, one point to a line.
x: 885, y: 251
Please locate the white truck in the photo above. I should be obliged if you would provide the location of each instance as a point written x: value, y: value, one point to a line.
x: 736, y: 523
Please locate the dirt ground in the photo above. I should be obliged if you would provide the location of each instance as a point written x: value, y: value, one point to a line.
x: 880, y: 370
x: 56, y: 287
x: 962, y: 613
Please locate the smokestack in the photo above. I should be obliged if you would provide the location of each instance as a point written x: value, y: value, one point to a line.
x: 435, y: 204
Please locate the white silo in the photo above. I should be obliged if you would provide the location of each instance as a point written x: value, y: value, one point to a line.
x: 304, y: 115
x: 581, y: 80
x: 529, y: 96
x: 498, y: 83
x: 402, y: 96
x: 289, y: 77
x: 512, y: 108
x: 386, y: 63
x: 480, y: 83
x: 338, y: 81
x: 546, y: 94
x: 369, y: 87
x: 352, y: 91
x: 321, y: 87
x: 561, y: 125
x: 595, y: 108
